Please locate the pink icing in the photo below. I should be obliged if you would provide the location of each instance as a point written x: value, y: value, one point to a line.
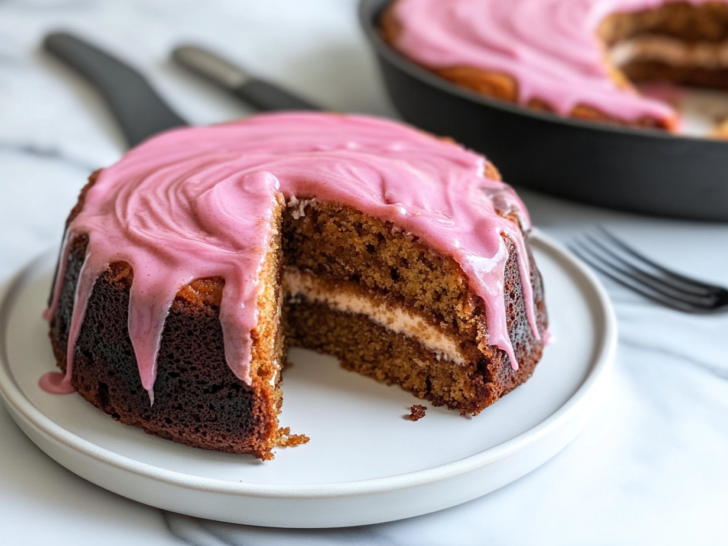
x: 664, y: 92
x: 56, y: 383
x: 199, y: 202
x: 549, y: 46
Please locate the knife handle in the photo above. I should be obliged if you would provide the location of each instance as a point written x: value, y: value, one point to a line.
x: 267, y: 97
x: 140, y: 111
x: 258, y: 93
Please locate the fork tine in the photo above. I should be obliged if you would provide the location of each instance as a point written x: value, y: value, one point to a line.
x: 687, y: 299
x: 631, y: 251
x: 669, y: 302
x: 692, y: 290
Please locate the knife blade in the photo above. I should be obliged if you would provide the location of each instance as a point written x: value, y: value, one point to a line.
x: 258, y: 93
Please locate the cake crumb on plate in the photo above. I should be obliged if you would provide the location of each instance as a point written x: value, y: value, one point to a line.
x: 417, y: 412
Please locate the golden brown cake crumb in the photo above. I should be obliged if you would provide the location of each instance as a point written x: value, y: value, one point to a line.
x: 286, y: 439
x: 417, y: 412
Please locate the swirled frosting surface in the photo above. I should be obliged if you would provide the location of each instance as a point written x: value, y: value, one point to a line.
x: 200, y: 202
x: 550, y: 47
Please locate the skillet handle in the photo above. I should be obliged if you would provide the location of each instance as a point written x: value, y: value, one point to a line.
x: 137, y: 107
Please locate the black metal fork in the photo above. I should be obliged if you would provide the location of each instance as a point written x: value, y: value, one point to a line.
x: 624, y: 265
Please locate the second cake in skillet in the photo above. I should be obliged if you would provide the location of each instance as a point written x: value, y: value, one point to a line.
x: 573, y: 57
x: 192, y: 264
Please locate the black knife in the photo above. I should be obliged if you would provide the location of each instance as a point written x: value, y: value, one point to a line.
x: 140, y: 111
x: 258, y: 93
x: 137, y: 107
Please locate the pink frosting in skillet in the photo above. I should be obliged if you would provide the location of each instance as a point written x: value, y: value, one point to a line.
x: 549, y: 46
x: 199, y: 202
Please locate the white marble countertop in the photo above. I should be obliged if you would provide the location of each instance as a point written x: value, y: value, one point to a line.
x: 650, y: 467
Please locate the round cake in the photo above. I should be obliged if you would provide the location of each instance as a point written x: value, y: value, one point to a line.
x: 190, y: 266
x: 576, y: 58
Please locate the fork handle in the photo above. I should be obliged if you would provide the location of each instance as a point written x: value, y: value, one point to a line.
x: 137, y: 107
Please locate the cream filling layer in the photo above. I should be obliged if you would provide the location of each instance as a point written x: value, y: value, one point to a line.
x: 304, y: 285
x: 671, y: 51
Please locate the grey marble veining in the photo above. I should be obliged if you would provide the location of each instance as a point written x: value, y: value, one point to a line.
x: 651, y: 466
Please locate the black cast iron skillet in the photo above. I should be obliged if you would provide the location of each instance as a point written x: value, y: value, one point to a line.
x: 635, y: 170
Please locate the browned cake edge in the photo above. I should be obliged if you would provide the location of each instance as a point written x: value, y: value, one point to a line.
x: 198, y: 400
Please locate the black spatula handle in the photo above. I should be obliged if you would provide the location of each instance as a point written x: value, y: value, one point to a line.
x: 258, y: 93
x: 137, y: 107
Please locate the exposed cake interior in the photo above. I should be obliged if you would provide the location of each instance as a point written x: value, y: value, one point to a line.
x: 391, y: 308
x: 680, y: 42
x: 403, y: 255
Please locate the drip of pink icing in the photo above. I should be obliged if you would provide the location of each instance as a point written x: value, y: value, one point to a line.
x: 56, y: 383
x: 199, y: 202
x: 549, y: 46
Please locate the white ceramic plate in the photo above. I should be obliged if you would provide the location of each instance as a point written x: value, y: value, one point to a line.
x: 365, y: 463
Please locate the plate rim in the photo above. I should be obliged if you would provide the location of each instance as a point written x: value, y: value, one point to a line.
x: 24, y: 409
